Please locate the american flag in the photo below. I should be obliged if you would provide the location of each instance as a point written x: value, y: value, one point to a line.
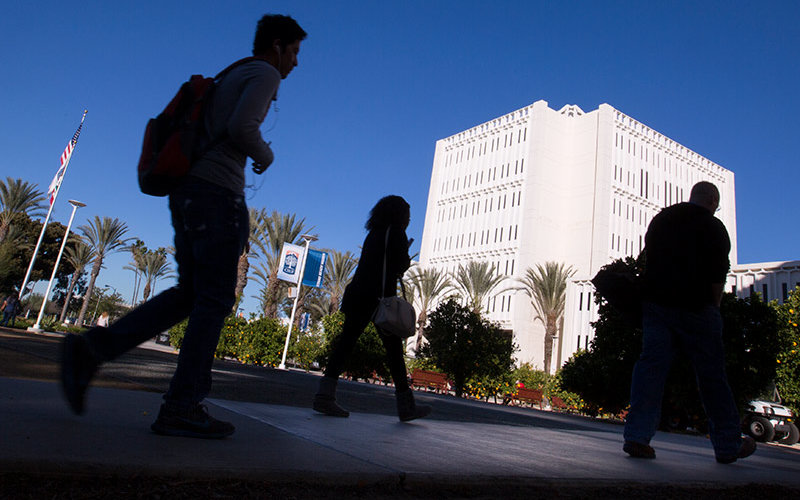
x: 53, y: 189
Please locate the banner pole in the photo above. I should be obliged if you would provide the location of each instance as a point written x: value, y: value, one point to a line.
x: 308, y: 240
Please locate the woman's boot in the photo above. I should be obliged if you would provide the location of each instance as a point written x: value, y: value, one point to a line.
x: 325, y: 400
x: 407, y: 409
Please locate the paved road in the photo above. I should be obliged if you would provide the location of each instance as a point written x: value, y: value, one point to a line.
x: 467, y: 449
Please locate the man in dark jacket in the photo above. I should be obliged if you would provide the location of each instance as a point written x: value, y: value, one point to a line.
x: 686, y: 251
x: 211, y: 223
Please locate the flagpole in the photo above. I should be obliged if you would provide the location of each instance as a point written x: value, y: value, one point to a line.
x: 74, y: 141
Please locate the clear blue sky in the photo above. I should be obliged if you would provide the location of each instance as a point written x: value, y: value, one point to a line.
x: 379, y: 82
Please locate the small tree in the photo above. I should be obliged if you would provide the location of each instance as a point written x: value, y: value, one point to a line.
x: 466, y: 346
x: 787, y: 377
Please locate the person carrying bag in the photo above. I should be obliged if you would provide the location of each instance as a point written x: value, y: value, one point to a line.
x: 371, y: 295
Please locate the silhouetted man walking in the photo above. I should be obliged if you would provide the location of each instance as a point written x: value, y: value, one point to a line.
x: 211, y: 223
x: 686, y: 266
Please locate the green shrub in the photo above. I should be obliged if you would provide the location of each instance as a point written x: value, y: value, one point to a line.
x: 308, y: 348
x: 176, y: 334
x: 787, y: 377
x: 261, y: 342
x: 368, y: 355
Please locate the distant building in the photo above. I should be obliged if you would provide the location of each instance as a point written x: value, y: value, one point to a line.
x: 771, y: 280
x: 540, y: 185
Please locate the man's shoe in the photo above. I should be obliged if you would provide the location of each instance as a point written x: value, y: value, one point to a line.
x: 78, y: 366
x: 638, y: 450
x: 327, y: 405
x: 195, y: 423
x: 746, y: 449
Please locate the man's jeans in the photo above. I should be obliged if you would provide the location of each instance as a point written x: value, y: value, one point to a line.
x: 698, y: 335
x: 211, y: 229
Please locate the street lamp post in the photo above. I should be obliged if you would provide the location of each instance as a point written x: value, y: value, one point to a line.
x: 37, y: 326
x: 308, y: 239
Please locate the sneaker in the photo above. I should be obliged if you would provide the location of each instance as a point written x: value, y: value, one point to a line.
x: 638, y: 450
x: 78, y: 366
x: 746, y: 449
x: 327, y: 405
x: 195, y: 422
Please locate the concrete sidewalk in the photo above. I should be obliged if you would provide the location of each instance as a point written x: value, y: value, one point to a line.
x: 281, y: 443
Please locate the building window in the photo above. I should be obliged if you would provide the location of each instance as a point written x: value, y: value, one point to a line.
x: 764, y: 293
x: 784, y: 292
x: 752, y: 290
x: 580, y: 302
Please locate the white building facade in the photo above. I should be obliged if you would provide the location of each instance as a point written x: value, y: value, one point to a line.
x: 540, y: 185
x: 771, y: 280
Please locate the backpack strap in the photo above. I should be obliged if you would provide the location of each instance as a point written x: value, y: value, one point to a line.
x: 218, y: 140
x: 236, y: 64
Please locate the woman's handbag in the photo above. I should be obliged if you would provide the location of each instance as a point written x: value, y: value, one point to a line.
x: 394, y: 315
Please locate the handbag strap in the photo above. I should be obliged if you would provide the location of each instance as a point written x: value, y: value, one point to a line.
x: 383, y: 280
x: 385, y: 251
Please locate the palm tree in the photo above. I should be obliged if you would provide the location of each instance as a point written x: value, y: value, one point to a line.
x: 547, y: 288
x: 280, y: 228
x: 155, y: 267
x: 261, y: 275
x: 105, y: 236
x: 18, y: 197
x: 258, y: 238
x: 475, y: 282
x: 136, y: 265
x: 78, y: 256
x: 339, y: 270
x: 425, y: 286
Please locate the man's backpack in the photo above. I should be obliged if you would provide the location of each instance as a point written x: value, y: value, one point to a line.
x: 177, y: 137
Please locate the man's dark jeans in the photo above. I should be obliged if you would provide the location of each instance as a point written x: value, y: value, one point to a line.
x: 668, y: 330
x: 211, y: 229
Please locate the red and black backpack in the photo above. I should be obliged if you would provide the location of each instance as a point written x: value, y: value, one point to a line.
x: 177, y: 137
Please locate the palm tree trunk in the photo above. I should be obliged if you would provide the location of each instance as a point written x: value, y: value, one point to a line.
x: 549, y: 332
x: 72, y: 282
x: 98, y: 263
x: 333, y: 305
x: 136, y: 280
x: 146, y: 291
x: 271, y: 309
x: 241, y: 277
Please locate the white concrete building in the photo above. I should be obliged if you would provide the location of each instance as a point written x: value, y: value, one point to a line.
x: 540, y: 185
x: 772, y: 280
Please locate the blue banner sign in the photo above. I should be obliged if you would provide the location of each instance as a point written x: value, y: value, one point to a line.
x: 315, y: 268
